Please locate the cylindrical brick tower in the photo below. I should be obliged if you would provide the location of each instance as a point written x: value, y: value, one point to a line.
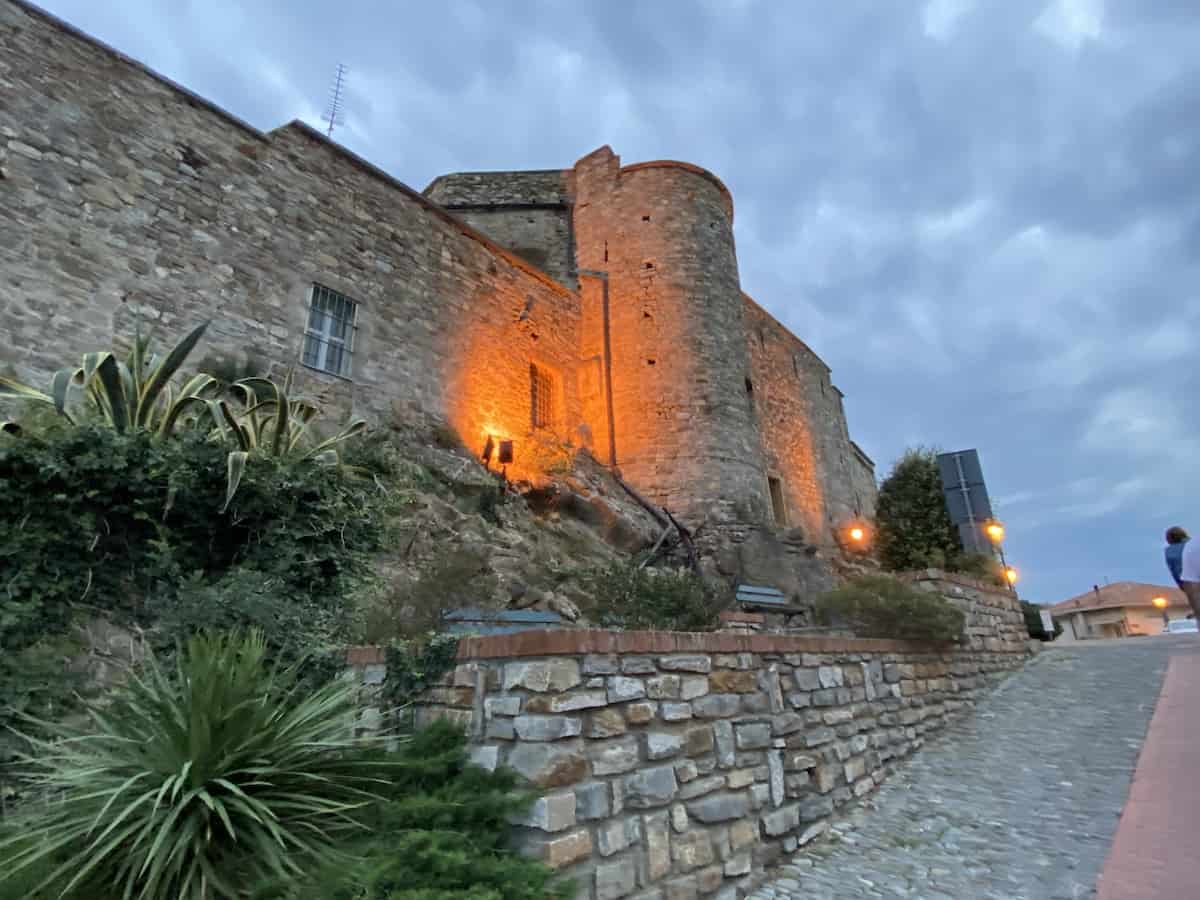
x: 675, y: 358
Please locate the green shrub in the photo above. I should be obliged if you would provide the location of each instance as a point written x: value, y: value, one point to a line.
x: 130, y: 526
x: 913, y: 527
x: 625, y: 596
x: 442, y: 833
x: 1033, y: 622
x: 196, y: 784
x: 881, y: 607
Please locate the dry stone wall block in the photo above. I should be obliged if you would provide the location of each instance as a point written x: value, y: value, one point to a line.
x: 719, y: 808
x: 568, y: 849
x: 614, y: 757
x: 650, y: 787
x: 553, y: 812
x: 549, y: 765
x: 552, y: 675
x: 547, y: 728
x: 702, y: 664
x: 614, y: 880
x: 621, y: 689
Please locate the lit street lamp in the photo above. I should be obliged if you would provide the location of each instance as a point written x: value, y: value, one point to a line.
x: 1161, y: 603
x: 995, y: 532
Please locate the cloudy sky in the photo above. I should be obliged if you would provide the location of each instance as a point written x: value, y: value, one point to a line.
x: 983, y: 214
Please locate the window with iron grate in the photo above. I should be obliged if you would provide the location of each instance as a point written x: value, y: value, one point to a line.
x: 329, y: 336
x: 541, y: 397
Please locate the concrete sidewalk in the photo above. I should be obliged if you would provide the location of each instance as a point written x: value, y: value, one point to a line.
x: 1156, y: 853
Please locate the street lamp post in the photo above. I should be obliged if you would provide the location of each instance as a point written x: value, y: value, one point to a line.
x: 995, y: 533
x: 1161, y: 603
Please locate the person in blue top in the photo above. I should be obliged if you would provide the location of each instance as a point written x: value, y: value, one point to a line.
x: 1177, y: 539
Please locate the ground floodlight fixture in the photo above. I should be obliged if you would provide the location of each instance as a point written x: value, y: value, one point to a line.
x: 857, y: 534
x: 506, y: 453
x: 488, y: 449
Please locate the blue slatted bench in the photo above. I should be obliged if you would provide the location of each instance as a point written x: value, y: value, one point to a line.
x: 754, y: 595
x: 500, y: 621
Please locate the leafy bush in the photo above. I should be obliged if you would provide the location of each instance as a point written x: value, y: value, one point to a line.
x: 442, y: 833
x: 137, y: 394
x: 1033, y: 623
x: 882, y: 607
x: 130, y: 526
x: 196, y: 785
x: 415, y: 665
x: 628, y: 597
x: 913, y: 527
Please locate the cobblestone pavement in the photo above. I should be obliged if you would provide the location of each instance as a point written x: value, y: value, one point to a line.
x: 1016, y: 800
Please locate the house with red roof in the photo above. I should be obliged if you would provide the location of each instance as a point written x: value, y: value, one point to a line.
x: 1124, y: 609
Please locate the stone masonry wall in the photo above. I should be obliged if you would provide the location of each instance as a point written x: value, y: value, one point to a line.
x: 529, y: 213
x: 803, y: 427
x: 676, y: 766
x: 121, y: 195
x: 684, y: 423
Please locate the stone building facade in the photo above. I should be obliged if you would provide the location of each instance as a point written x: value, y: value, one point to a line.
x: 598, y: 305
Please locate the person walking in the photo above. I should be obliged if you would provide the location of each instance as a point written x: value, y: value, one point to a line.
x: 1189, y: 566
x: 1177, y: 539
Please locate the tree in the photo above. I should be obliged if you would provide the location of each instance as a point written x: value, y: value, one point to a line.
x: 913, y: 527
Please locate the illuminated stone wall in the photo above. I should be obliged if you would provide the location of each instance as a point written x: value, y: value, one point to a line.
x: 122, y: 195
x: 826, y: 482
x: 683, y: 419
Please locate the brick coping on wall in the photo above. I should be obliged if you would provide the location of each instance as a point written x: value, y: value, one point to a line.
x: 577, y: 642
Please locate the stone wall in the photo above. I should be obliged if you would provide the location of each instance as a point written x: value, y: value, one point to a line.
x: 681, y: 765
x: 684, y: 421
x: 803, y: 426
x: 122, y: 195
x: 527, y: 212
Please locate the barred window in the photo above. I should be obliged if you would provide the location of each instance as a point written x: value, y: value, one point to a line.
x: 329, y: 337
x: 541, y: 397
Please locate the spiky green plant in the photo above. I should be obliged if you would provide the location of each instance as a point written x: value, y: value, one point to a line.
x: 197, y: 785
x: 136, y: 392
x: 262, y: 417
x: 271, y: 421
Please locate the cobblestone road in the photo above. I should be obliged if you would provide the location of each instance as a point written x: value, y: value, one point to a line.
x: 1018, y: 800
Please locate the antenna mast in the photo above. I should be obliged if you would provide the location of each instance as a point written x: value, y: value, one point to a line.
x: 334, y: 114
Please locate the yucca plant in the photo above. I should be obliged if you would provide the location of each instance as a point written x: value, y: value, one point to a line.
x: 136, y: 392
x: 271, y: 421
x: 197, y: 785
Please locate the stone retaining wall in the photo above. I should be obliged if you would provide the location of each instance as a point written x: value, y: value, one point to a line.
x: 682, y: 765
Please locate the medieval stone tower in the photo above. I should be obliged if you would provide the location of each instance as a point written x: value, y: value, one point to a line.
x: 699, y: 397
x: 683, y: 420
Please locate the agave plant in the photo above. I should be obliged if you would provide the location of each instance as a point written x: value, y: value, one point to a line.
x: 136, y: 392
x: 268, y: 420
x: 200, y: 785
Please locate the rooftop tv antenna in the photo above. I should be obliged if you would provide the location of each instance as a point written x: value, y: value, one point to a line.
x: 334, y: 113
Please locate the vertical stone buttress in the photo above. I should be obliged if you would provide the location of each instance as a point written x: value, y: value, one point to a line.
x: 683, y: 419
